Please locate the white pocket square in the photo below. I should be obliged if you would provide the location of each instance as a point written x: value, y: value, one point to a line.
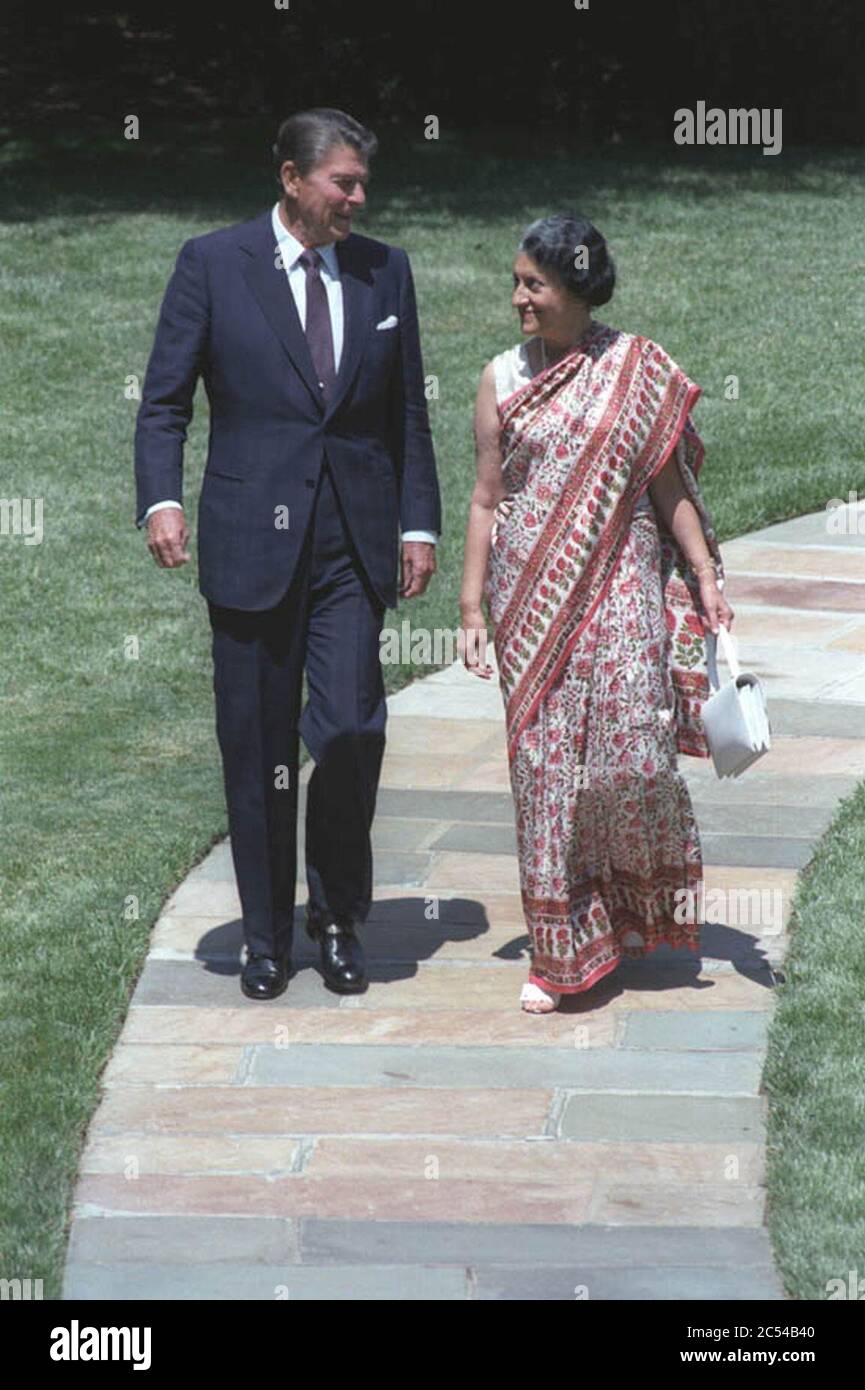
x: 390, y: 322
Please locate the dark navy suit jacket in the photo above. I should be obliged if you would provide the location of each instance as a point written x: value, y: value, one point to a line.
x: 229, y: 316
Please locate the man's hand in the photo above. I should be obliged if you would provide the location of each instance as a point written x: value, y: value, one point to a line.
x: 418, y: 567
x: 167, y: 534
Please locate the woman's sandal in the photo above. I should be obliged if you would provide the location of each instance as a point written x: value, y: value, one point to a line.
x: 539, y: 1001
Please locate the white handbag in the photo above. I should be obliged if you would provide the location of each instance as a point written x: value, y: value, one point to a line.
x: 735, y: 718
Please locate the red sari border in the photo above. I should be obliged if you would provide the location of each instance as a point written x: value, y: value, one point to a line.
x: 644, y: 375
x: 513, y: 734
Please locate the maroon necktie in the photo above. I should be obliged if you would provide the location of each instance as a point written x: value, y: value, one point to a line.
x: 319, y: 333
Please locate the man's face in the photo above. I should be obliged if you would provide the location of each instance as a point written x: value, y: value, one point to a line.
x: 326, y: 199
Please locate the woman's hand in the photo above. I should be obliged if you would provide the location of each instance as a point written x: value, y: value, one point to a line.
x: 473, y: 643
x: 717, y: 609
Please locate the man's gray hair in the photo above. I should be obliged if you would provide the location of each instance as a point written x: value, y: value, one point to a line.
x: 307, y: 136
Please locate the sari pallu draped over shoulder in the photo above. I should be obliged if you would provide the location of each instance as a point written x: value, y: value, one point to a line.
x: 580, y: 444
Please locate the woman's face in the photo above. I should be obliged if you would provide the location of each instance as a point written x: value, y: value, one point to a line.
x: 544, y: 305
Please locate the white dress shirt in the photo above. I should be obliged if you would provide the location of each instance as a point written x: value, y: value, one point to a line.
x: 291, y: 250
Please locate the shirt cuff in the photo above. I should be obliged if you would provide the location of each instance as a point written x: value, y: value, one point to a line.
x: 157, y: 506
x: 429, y: 536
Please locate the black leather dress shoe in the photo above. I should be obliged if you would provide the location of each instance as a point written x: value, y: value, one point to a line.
x: 264, y: 977
x: 342, y: 959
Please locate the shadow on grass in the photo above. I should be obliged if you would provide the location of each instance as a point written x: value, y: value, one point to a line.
x: 220, y: 172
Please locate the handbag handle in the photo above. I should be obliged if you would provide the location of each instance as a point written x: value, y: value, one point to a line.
x: 729, y: 651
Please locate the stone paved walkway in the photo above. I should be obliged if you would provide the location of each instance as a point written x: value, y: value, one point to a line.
x: 427, y: 1140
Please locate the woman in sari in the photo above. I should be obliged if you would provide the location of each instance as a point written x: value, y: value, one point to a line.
x: 591, y: 544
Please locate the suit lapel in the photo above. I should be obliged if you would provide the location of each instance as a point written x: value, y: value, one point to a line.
x: 268, y: 281
x: 356, y: 281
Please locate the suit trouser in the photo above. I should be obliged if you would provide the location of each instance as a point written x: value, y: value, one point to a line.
x: 329, y: 620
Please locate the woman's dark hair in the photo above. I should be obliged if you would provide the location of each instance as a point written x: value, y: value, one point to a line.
x: 307, y: 136
x: 574, y: 249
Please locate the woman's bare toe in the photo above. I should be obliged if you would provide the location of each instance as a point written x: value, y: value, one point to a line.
x: 535, y: 1000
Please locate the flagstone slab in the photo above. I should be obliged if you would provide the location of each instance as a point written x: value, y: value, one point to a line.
x: 350, y: 1027
x: 746, y: 556
x: 664, y: 1118
x: 829, y: 595
x: 205, y: 898
x: 459, y: 739
x: 739, y: 884
x: 302, y: 1110
x: 757, y: 790
x: 847, y: 528
x: 548, y: 1160
x: 409, y: 870
x: 451, y: 702
x: 390, y: 833
x: 795, y: 672
x: 260, y: 1282
x: 182, y: 936
x: 489, y: 807
x: 683, y: 1204
x: 755, y: 623
x: 194, y: 982
x: 850, y: 686
x: 534, y: 1246
x: 851, y: 640
x: 637, y: 1284
x: 205, y: 894
x: 777, y: 820
x: 822, y: 719
x: 420, y: 771
x: 655, y: 984
x: 717, y: 1031
x: 183, y: 1240
x: 725, y: 950
x: 491, y: 776
x: 481, y: 986
x: 452, y: 694
x: 603, y: 1069
x: 473, y: 873
x: 186, y: 1064
x: 823, y: 756
x: 396, y: 1198
x: 190, y: 1154
x: 477, y: 839
x: 753, y: 920
x: 756, y: 851
x: 192, y: 938
x: 446, y: 905
x: 350, y: 1198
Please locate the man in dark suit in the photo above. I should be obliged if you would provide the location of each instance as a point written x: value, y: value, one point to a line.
x: 306, y: 337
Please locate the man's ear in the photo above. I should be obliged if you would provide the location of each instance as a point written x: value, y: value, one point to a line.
x: 289, y: 175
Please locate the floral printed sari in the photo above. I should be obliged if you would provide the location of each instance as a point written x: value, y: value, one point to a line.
x: 601, y: 655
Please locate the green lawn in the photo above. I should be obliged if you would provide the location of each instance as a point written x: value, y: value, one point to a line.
x: 737, y: 263
x: 815, y: 1068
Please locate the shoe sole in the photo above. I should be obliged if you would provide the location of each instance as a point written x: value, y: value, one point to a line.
x: 345, y: 989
